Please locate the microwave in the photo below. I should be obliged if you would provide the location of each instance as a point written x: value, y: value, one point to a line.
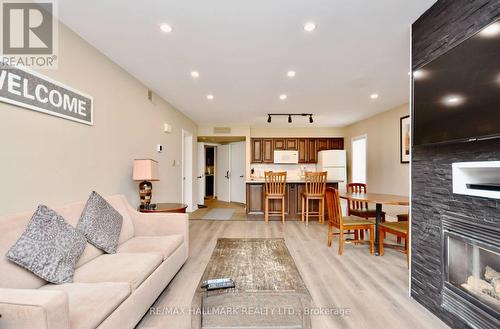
x: 286, y: 157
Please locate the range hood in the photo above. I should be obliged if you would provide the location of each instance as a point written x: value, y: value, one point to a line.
x: 286, y: 157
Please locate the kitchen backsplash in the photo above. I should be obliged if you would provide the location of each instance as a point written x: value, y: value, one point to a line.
x: 293, y: 170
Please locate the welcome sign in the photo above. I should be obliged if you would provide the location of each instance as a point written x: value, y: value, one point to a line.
x: 36, y: 92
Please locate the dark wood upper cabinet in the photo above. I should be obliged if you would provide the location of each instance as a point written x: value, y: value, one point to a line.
x: 312, y: 151
x: 256, y: 144
x: 267, y: 150
x: 279, y: 144
x: 321, y: 144
x: 302, y: 146
x: 335, y: 143
x: 291, y: 144
x: 263, y: 148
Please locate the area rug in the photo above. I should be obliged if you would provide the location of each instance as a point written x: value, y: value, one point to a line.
x: 219, y: 214
x: 266, y: 279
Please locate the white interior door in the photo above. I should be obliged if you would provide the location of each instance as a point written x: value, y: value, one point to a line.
x: 223, y: 172
x: 238, y: 172
x: 200, y: 173
x: 187, y: 169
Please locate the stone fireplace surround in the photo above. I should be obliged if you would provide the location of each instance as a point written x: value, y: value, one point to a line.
x: 443, y: 26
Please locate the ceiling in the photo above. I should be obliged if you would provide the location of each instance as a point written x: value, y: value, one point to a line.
x: 243, y: 50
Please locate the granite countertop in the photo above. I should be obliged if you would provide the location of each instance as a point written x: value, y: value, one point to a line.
x: 289, y: 180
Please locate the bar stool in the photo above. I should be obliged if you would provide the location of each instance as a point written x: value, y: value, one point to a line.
x: 275, y: 190
x: 315, y: 190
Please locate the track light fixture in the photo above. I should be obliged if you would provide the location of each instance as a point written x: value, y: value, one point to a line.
x: 289, y: 115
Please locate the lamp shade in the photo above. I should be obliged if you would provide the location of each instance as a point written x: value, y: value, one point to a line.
x: 145, y: 170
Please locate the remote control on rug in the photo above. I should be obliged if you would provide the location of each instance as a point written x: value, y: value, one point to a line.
x: 214, y: 281
x: 221, y: 285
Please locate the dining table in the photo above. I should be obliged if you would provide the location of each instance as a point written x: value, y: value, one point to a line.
x: 379, y: 200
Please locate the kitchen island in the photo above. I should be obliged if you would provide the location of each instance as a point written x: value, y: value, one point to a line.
x: 293, y: 204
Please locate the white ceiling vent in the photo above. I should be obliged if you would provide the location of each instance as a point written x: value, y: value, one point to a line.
x: 222, y: 130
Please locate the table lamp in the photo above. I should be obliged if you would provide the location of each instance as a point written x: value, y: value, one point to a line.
x: 145, y: 171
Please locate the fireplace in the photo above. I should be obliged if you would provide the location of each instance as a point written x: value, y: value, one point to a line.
x: 471, y: 271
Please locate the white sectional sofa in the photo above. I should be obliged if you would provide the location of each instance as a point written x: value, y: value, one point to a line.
x: 109, y: 290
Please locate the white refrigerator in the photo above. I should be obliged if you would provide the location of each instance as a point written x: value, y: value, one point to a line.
x: 334, y: 162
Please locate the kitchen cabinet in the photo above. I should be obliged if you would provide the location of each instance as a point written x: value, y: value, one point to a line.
x: 263, y: 148
x: 267, y: 150
x: 293, y: 201
x: 335, y: 143
x: 291, y: 144
x: 321, y: 144
x: 312, y: 151
x: 255, y: 198
x: 279, y: 144
x: 256, y: 144
x: 302, y: 146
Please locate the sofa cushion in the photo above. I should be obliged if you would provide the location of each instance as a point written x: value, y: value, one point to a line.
x: 166, y: 245
x: 101, y: 223
x: 123, y: 267
x: 91, y: 303
x: 49, y: 247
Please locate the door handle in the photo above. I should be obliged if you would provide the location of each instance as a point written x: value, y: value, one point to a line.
x: 200, y: 176
x: 242, y: 176
x: 227, y: 174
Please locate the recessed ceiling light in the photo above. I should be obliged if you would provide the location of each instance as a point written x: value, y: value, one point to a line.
x: 491, y: 31
x: 310, y: 26
x: 290, y: 74
x: 166, y: 28
x: 453, y: 100
x: 195, y: 74
x: 420, y: 74
x: 374, y: 96
x: 210, y: 97
x: 283, y: 97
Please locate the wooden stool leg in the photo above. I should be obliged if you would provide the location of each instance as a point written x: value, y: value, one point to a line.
x: 302, y: 209
x: 356, y: 236
x: 341, y: 241
x: 381, y: 237
x: 399, y: 240
x: 322, y: 210
x: 283, y: 210
x: 330, y: 235
x: 372, y: 240
x: 307, y: 211
x: 266, y: 210
x: 362, y: 234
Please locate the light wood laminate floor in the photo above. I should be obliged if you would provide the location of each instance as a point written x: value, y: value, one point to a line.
x: 373, y: 289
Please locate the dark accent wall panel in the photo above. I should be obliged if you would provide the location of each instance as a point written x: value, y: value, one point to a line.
x: 442, y: 27
x: 446, y: 24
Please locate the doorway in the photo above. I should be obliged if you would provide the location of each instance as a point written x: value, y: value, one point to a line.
x: 187, y: 169
x: 221, y: 178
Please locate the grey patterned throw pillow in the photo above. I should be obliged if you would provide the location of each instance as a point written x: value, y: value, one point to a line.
x: 49, y: 247
x: 101, y: 223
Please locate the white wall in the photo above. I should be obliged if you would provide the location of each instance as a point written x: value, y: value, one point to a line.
x: 385, y: 172
x: 49, y: 160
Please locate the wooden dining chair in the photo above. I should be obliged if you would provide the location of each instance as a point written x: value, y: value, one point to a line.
x: 315, y: 186
x: 400, y: 229
x: 275, y: 189
x: 359, y: 208
x: 347, y: 223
